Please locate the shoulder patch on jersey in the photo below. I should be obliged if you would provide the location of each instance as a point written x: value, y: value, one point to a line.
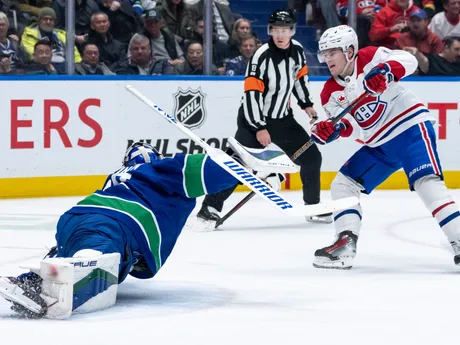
x: 329, y: 87
x: 342, y: 98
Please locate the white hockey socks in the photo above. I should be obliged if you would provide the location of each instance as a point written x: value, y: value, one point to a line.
x: 85, y: 283
x: 349, y: 219
x: 436, y: 197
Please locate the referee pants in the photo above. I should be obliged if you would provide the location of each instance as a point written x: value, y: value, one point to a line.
x: 289, y: 135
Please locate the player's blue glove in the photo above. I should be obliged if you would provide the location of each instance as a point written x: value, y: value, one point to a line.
x: 375, y: 82
x: 324, y: 132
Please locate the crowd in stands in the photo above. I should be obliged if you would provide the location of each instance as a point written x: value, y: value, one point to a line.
x: 428, y: 29
x: 165, y: 37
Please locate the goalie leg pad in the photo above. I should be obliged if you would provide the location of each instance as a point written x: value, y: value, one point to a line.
x: 81, y: 284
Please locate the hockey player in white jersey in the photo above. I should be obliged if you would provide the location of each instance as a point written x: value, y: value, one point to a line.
x: 397, y: 131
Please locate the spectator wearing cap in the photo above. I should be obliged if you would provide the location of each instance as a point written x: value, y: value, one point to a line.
x: 140, y: 61
x: 419, y: 36
x: 124, y: 20
x: 163, y: 43
x: 45, y: 30
x: 446, y: 23
x: 446, y: 63
x: 390, y: 22
x: 111, y: 51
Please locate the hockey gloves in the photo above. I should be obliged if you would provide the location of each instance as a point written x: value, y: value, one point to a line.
x: 375, y: 82
x: 324, y: 131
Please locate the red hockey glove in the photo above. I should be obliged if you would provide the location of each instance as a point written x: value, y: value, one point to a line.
x: 375, y: 82
x: 324, y: 132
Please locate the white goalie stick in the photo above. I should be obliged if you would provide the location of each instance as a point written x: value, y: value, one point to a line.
x: 246, y: 177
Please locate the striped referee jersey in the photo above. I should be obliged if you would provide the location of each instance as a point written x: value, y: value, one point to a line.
x: 271, y: 76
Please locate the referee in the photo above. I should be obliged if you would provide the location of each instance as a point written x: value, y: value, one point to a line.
x: 276, y: 70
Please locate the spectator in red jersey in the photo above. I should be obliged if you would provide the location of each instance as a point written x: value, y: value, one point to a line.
x: 366, y: 11
x: 419, y: 35
x: 390, y: 22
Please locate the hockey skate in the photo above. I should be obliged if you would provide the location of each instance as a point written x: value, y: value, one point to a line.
x: 206, y: 219
x: 340, y: 254
x: 456, y: 247
x: 325, y: 218
x: 24, y: 293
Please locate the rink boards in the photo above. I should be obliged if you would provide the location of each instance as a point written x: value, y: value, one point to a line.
x: 62, y: 136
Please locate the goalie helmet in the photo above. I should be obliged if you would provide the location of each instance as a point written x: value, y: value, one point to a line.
x: 140, y: 153
x: 342, y: 36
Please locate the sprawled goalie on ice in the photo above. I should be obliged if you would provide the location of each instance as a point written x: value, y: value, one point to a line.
x: 128, y: 227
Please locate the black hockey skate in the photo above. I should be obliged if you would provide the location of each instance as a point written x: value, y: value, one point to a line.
x: 206, y: 219
x: 340, y: 254
x: 24, y: 293
x: 456, y: 247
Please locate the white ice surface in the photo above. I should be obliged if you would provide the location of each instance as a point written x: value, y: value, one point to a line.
x: 254, y: 283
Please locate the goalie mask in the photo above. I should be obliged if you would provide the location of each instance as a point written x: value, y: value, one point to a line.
x: 140, y: 153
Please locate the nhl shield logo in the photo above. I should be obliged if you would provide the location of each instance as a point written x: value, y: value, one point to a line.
x: 189, y: 107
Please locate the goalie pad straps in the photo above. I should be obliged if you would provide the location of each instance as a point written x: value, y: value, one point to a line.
x: 81, y: 284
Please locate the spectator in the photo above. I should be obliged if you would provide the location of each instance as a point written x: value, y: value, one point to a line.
x: 174, y: 12
x: 41, y: 63
x: 15, y: 17
x: 90, y: 64
x: 193, y: 64
x: 329, y: 12
x: 141, y: 6
x: 111, y: 51
x: 124, y: 20
x: 140, y: 61
x: 446, y: 24
x: 366, y: 11
x: 431, y: 7
x: 223, y: 18
x: 10, y: 60
x: 162, y: 41
x: 219, y: 48
x: 446, y: 63
x: 390, y: 22
x: 84, y: 9
x: 237, y: 66
x: 419, y: 35
x: 45, y: 31
x: 242, y: 28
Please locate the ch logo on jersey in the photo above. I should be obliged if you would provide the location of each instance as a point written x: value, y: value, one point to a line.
x: 189, y: 108
x: 369, y: 111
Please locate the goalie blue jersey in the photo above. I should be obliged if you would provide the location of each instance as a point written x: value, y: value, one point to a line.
x: 153, y: 200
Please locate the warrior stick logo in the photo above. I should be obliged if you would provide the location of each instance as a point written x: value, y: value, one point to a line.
x: 189, y: 107
x: 257, y: 184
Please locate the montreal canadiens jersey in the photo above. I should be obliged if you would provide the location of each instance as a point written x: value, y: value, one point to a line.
x: 153, y: 200
x: 376, y: 120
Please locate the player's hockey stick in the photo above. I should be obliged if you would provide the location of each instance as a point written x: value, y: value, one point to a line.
x: 246, y: 177
x: 296, y: 155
